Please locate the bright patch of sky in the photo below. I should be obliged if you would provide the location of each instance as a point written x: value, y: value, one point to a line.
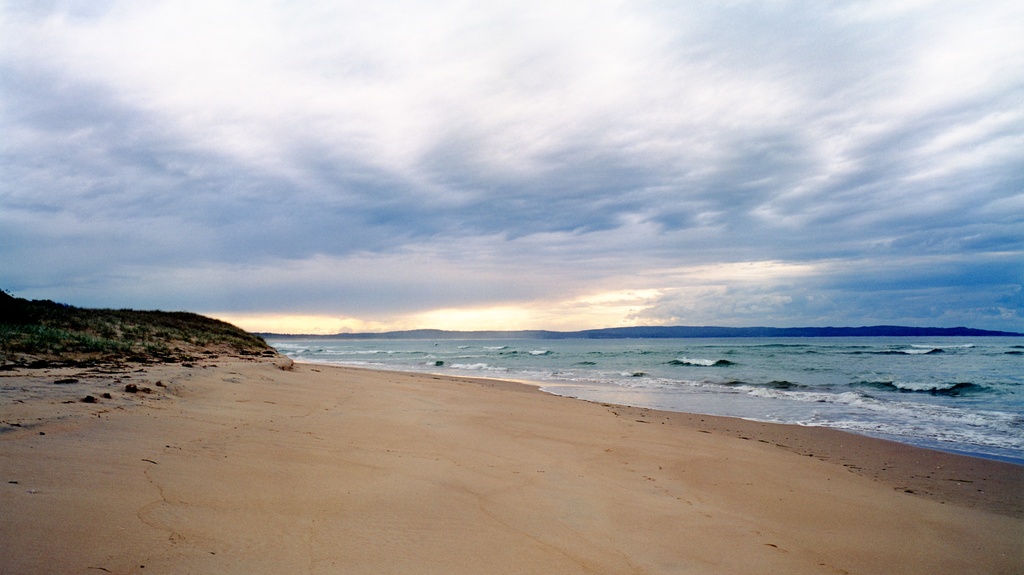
x: 344, y: 166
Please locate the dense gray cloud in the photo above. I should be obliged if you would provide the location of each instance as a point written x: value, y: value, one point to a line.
x: 727, y: 163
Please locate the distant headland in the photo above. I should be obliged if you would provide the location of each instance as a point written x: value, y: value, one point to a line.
x: 650, y: 332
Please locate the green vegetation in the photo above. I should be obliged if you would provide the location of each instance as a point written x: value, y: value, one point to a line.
x: 44, y: 332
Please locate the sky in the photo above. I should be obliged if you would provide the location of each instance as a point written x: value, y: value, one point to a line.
x: 335, y: 166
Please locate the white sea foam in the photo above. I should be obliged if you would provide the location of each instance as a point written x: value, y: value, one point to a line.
x: 960, y: 346
x: 911, y: 419
x: 922, y: 386
x: 698, y: 361
x: 476, y: 367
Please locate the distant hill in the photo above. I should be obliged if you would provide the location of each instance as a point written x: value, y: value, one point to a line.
x: 671, y: 332
x: 42, y: 332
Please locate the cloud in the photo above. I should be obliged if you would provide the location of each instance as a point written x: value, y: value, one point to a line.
x: 375, y: 162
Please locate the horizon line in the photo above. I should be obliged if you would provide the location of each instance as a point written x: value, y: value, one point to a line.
x: 682, y: 331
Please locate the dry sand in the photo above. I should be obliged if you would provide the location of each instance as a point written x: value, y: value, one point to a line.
x: 246, y: 468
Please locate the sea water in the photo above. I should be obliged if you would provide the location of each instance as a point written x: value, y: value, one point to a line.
x: 953, y: 394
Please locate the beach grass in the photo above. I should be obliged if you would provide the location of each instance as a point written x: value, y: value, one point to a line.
x: 49, y: 332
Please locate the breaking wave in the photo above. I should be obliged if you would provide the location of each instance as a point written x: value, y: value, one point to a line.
x: 699, y: 362
x: 951, y: 389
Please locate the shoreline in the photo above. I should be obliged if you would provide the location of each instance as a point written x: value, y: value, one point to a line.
x: 240, y: 466
x: 931, y: 473
x: 953, y: 395
x: 935, y: 446
x: 544, y: 386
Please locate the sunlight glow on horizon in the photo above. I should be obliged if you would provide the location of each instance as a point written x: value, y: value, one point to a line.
x: 610, y: 309
x: 306, y: 324
x: 621, y: 307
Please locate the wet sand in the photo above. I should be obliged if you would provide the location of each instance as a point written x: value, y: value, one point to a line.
x: 237, y: 466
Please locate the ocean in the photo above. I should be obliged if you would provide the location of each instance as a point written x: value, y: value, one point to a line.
x: 962, y: 395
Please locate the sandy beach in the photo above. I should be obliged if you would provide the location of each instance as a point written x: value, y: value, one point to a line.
x: 235, y: 465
